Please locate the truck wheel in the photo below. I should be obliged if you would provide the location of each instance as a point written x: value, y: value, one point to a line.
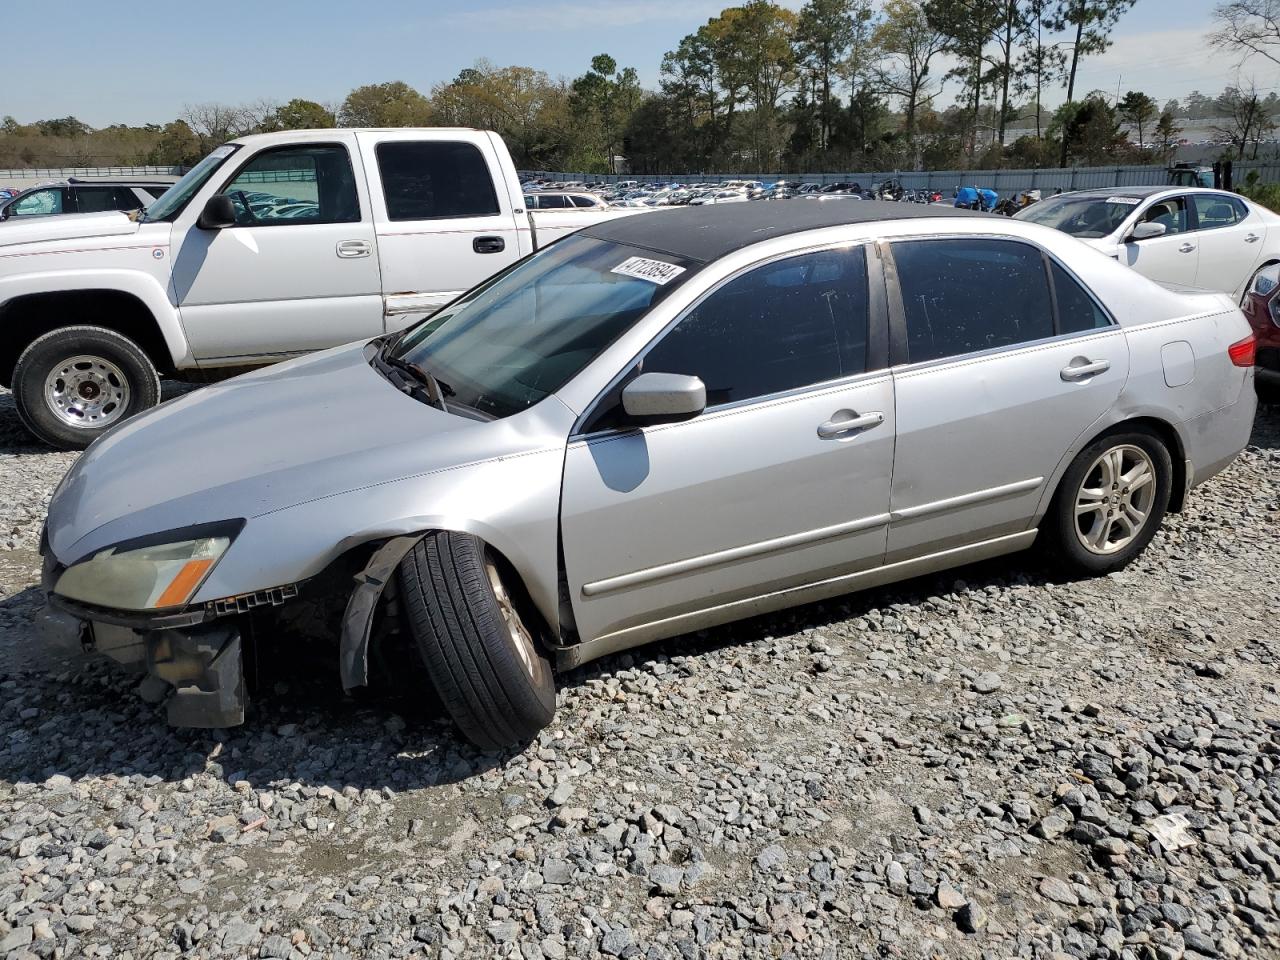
x: 75, y: 383
x: 1110, y: 503
x: 478, y: 649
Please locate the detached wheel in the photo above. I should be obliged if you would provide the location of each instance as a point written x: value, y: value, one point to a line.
x: 1110, y: 503
x: 73, y: 384
x: 476, y: 645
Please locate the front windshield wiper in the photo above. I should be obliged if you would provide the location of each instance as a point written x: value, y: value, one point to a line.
x: 420, y: 381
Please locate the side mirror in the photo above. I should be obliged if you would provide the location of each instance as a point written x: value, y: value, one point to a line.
x: 218, y: 212
x: 1145, y: 231
x: 664, y: 397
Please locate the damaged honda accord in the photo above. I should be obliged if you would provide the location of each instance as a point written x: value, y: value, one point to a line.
x: 653, y: 426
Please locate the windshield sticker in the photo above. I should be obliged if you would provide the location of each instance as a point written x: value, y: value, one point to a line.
x: 655, y: 271
x: 1127, y: 201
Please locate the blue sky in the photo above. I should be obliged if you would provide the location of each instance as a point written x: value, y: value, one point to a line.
x: 125, y: 65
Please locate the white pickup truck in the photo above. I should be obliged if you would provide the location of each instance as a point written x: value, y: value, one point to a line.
x: 272, y: 246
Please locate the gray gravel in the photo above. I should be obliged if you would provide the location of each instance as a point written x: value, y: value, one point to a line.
x: 983, y: 764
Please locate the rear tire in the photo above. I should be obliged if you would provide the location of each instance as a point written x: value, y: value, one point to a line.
x: 73, y: 384
x: 1109, y: 503
x: 481, y: 656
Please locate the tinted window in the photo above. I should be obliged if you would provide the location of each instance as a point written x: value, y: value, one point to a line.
x: 1077, y: 311
x: 296, y: 185
x: 583, y: 202
x: 967, y: 295
x: 553, y: 201
x: 1171, y: 212
x: 100, y: 199
x: 788, y: 324
x: 429, y: 181
x: 38, y: 203
x: 1216, y: 210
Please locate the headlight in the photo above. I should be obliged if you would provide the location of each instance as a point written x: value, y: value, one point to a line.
x: 1266, y: 280
x: 152, y: 573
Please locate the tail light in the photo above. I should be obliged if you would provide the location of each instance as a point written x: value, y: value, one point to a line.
x: 1244, y: 352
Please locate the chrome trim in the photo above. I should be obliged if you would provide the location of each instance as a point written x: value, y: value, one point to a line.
x: 967, y: 499
x: 581, y: 653
x: 745, y: 552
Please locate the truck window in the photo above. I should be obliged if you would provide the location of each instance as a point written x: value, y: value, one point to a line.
x: 296, y: 184
x: 435, y: 180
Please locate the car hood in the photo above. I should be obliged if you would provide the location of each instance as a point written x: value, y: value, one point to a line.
x: 310, y: 428
x: 69, y: 226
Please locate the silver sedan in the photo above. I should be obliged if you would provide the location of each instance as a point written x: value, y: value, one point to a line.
x: 655, y: 425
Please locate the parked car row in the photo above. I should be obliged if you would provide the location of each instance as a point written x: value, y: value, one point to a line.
x: 83, y: 196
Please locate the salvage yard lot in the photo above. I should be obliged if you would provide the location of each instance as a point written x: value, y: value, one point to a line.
x: 975, y: 762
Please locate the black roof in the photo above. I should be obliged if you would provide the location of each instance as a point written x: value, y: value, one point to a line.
x: 706, y: 233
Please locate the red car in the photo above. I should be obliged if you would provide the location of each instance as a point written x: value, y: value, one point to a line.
x: 1262, y: 307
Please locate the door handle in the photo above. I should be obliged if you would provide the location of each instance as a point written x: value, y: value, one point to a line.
x: 846, y: 421
x: 348, y: 249
x: 488, y: 244
x: 1252, y: 238
x: 1187, y: 247
x: 1084, y: 368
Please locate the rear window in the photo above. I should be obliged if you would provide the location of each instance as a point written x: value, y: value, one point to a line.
x: 435, y: 180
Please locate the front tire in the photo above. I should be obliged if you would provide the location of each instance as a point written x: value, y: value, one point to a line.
x: 468, y: 629
x: 1110, y: 503
x: 73, y: 384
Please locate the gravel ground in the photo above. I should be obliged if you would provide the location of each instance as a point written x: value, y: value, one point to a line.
x: 982, y: 764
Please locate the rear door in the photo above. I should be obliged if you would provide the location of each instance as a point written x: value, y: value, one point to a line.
x: 297, y: 271
x: 1172, y: 257
x: 1230, y: 241
x: 996, y: 378
x: 774, y: 485
x: 445, y: 220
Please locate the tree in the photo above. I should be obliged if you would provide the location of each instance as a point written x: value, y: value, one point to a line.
x: 520, y: 103
x: 394, y: 104
x: 823, y: 34
x: 1248, y: 26
x: 63, y: 127
x: 1166, y: 135
x: 1009, y: 34
x: 909, y: 43
x: 1092, y: 21
x: 299, y: 114
x: 177, y: 145
x: 1138, y: 109
x: 1040, y: 63
x: 1245, y: 119
x: 1090, y: 130
x: 215, y: 123
x: 968, y: 26
x: 756, y: 52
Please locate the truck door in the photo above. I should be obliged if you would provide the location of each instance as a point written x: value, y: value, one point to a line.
x: 444, y: 218
x: 297, y: 271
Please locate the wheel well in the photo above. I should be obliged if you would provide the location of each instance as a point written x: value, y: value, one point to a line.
x: 1169, y: 437
x: 25, y: 318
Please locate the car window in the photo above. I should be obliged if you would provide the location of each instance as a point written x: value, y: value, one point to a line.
x: 1216, y: 210
x: 294, y: 185
x: 788, y: 324
x: 431, y: 180
x: 103, y: 199
x: 1172, y: 212
x: 553, y: 202
x: 961, y: 296
x: 39, y: 203
x: 1077, y: 310
x: 1089, y: 217
x: 583, y: 202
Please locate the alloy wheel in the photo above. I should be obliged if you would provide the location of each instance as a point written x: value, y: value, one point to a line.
x: 1114, y: 502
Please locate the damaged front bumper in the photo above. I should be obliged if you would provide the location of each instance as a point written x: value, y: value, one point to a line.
x: 202, y: 661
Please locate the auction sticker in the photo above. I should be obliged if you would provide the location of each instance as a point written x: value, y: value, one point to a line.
x: 1127, y: 201
x: 655, y: 271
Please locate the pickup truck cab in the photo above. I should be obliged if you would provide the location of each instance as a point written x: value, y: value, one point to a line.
x: 272, y: 246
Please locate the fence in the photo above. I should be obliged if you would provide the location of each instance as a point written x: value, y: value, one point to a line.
x: 945, y: 181
x: 62, y: 173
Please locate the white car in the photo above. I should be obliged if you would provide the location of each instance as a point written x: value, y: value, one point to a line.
x: 1185, y: 235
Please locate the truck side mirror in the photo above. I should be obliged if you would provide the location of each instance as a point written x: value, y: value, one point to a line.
x: 218, y: 212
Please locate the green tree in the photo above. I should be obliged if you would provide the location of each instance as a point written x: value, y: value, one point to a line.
x: 968, y: 26
x: 1166, y: 136
x: 394, y: 104
x: 909, y: 43
x: 1138, y: 109
x: 1091, y: 22
x: 524, y: 105
x: 299, y: 114
x: 177, y: 144
x: 1039, y: 64
x: 824, y: 31
x: 603, y: 99
x: 1090, y: 130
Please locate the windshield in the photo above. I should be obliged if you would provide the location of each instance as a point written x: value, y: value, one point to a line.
x: 525, y: 333
x: 1088, y: 217
x: 171, y: 202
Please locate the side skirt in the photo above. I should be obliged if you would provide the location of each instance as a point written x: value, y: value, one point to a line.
x: 581, y: 653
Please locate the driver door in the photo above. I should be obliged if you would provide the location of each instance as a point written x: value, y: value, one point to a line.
x: 297, y: 272
x: 1173, y: 257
